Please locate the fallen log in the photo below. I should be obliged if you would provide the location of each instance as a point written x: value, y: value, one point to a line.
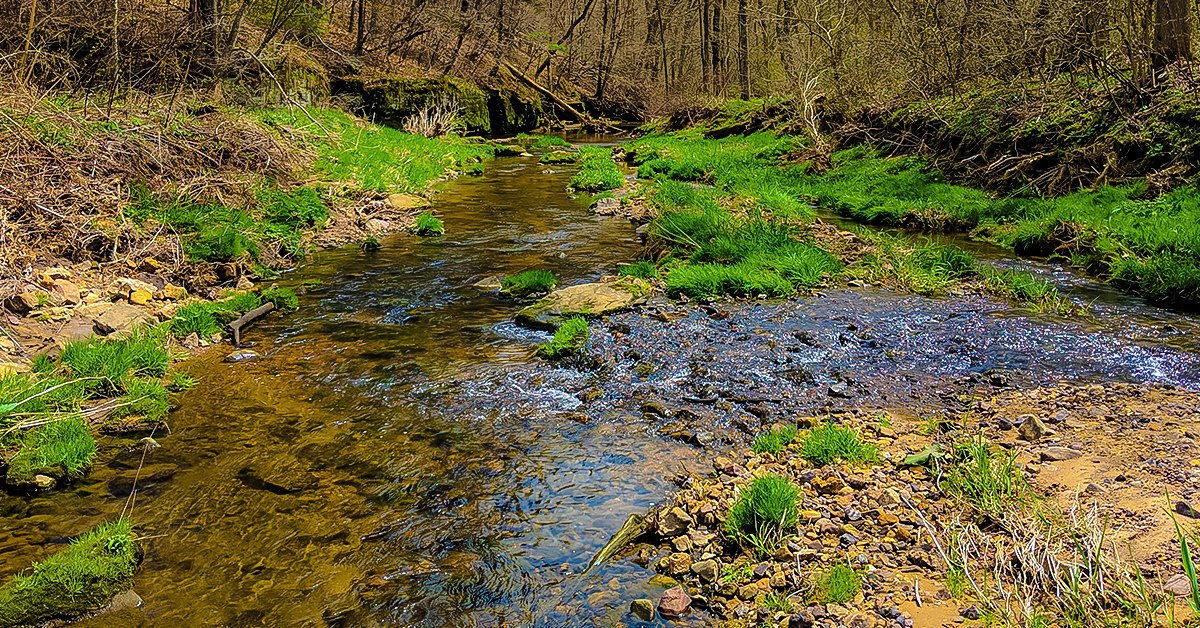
x: 584, y: 118
x: 235, y: 326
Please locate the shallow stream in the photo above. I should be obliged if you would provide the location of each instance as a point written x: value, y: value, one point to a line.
x: 399, y: 457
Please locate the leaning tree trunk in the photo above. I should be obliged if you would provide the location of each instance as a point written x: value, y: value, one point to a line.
x: 1172, y: 31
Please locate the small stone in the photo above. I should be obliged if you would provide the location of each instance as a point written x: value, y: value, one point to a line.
x: 124, y: 601
x: 707, y: 570
x: 1056, y: 454
x: 606, y: 206
x: 44, y: 482
x: 243, y: 283
x: 971, y: 612
x: 1179, y: 584
x: 22, y: 303
x: 150, y: 444
x: 140, y: 297
x: 643, y: 609
x: 171, y: 292
x: 241, y: 356
x: 857, y: 620
x: 828, y: 485
x: 1186, y: 509
x: 192, y: 341
x: 150, y: 265
x: 1032, y: 429
x: 674, y: 602
x: 679, y: 564
x: 68, y: 291
x: 674, y: 523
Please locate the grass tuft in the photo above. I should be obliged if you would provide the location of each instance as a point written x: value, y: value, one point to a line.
x: 81, y: 578
x: 774, y: 441
x: 828, y: 443
x: 569, y: 339
x: 529, y: 282
x: 768, y: 504
x: 643, y: 269
x: 837, y: 586
x: 428, y: 225
x: 985, y: 478
x: 597, y: 172
x: 62, y: 448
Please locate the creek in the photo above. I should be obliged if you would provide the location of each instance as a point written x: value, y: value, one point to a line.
x: 398, y: 456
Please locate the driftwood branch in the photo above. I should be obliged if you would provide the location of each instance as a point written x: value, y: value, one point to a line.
x: 578, y: 115
x: 235, y: 327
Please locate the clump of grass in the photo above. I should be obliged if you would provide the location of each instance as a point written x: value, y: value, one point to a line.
x: 828, y: 443
x: 837, y: 586
x: 370, y: 243
x: 597, y: 172
x: 985, y: 478
x: 737, y: 572
x: 777, y: 601
x: 285, y: 299
x: 428, y: 225
x: 768, y: 504
x: 643, y: 269
x: 181, y: 381
x: 1025, y: 288
x: 922, y: 267
x: 529, y: 282
x: 140, y: 355
x: 559, y: 157
x: 539, y: 143
x: 569, y: 339
x: 145, y: 398
x: 774, y: 441
x: 43, y: 364
x: 61, y: 448
x: 81, y: 578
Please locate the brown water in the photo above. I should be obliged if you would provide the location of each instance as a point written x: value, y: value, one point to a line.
x: 398, y: 456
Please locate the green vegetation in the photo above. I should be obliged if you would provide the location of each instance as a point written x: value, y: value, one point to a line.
x: 737, y: 572
x: 559, y: 157
x: 569, y: 339
x: 61, y: 448
x: 207, y: 318
x: 82, y: 578
x: 529, y: 282
x: 428, y: 225
x: 216, y: 232
x: 828, y: 443
x: 597, y: 172
x: 837, y: 586
x: 643, y: 269
x: 539, y: 143
x: 985, y: 478
x: 768, y: 504
x: 777, y: 601
x: 373, y: 157
x: 774, y: 441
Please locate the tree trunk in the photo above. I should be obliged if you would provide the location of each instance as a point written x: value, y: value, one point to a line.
x: 361, y: 40
x: 743, y: 51
x: 603, y: 43
x: 1172, y: 31
x: 716, y: 43
x: 705, y: 45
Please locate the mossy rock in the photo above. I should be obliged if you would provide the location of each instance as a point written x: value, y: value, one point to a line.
x: 589, y: 299
x: 393, y: 100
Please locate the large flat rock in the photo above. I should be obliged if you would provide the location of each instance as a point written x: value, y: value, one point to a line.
x: 589, y: 299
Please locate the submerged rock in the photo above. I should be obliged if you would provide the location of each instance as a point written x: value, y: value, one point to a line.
x: 591, y: 299
x: 643, y: 609
x: 241, y: 356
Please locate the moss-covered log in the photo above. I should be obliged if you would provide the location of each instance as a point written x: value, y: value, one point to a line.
x: 80, y: 579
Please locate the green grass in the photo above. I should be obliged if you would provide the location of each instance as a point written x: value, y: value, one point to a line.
x: 115, y: 363
x: 769, y: 503
x: 828, y: 443
x: 207, y: 318
x: 529, y: 282
x: 643, y: 269
x: 597, y: 172
x: 374, y: 157
x: 777, y: 601
x: 774, y: 441
x: 837, y: 586
x: 428, y: 225
x: 62, y: 448
x: 145, y: 398
x: 569, y: 339
x: 81, y: 578
x: 985, y: 478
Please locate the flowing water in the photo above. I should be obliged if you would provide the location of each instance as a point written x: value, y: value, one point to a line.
x: 398, y: 456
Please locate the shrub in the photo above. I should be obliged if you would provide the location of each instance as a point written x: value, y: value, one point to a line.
x: 827, y: 443
x: 836, y: 586
x: 569, y: 339
x: 428, y: 225
x: 768, y: 503
x: 529, y: 282
x: 81, y: 578
x: 774, y: 441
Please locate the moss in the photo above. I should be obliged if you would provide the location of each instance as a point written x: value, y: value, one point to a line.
x: 569, y: 339
x: 62, y: 448
x: 559, y: 157
x: 392, y: 100
x: 82, y: 578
